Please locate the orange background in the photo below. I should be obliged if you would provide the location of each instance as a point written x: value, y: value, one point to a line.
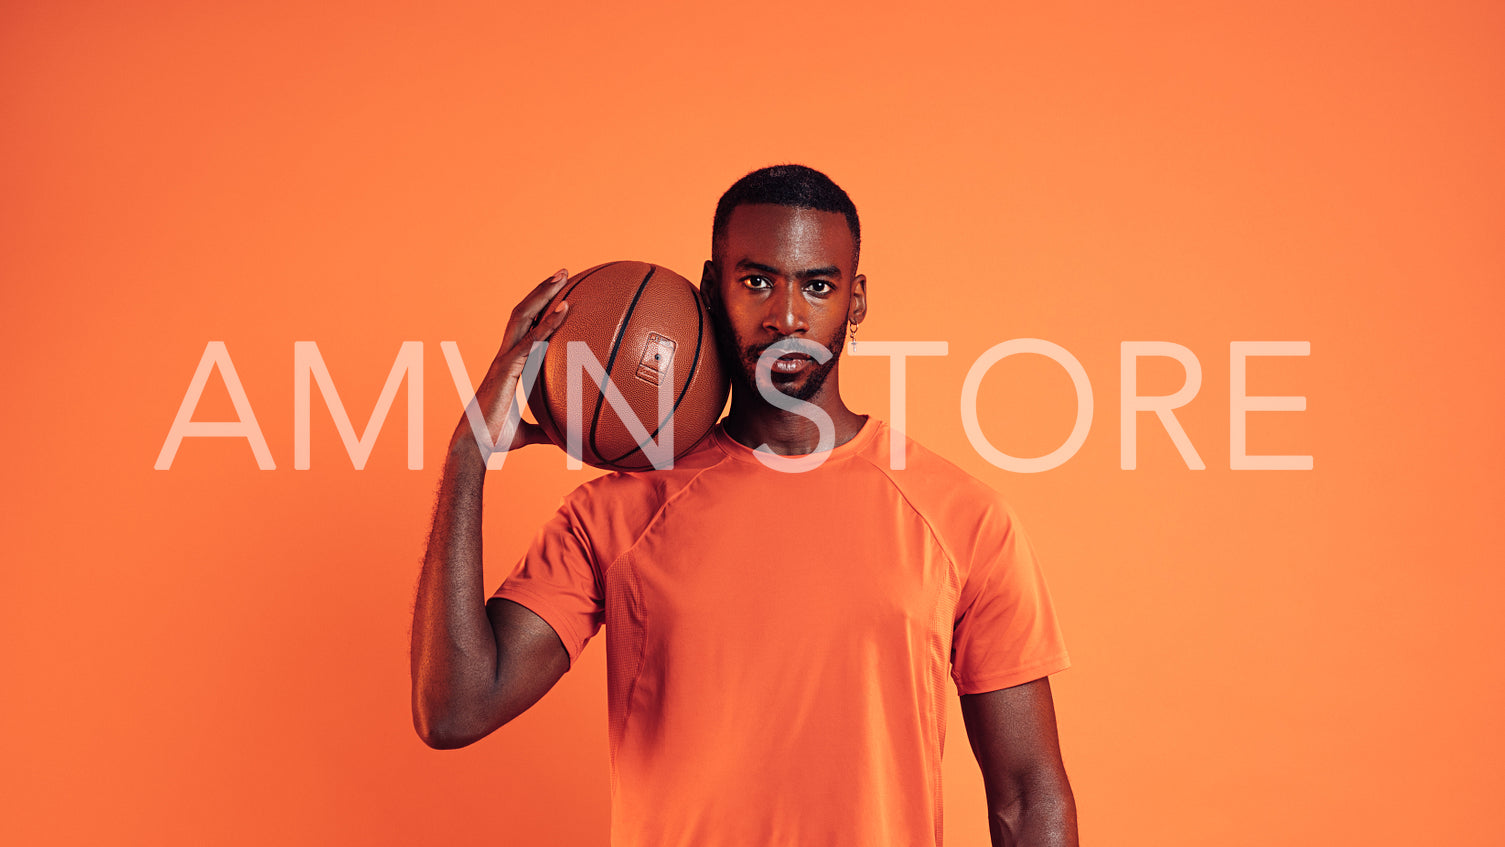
x: 217, y: 654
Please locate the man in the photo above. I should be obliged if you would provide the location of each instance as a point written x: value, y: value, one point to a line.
x: 778, y: 639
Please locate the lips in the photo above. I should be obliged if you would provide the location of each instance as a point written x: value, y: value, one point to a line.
x: 794, y: 367
x: 787, y: 361
x: 793, y: 363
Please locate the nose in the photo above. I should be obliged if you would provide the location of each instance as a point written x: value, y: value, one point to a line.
x: 787, y: 311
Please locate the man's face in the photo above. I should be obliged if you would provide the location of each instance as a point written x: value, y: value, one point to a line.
x: 779, y: 273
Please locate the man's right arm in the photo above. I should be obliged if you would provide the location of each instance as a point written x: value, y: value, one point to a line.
x: 477, y: 665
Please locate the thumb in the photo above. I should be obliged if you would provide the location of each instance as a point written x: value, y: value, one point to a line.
x: 531, y: 433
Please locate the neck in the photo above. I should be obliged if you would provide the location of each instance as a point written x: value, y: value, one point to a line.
x: 754, y: 422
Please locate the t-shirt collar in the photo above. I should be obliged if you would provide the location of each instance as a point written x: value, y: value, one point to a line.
x: 858, y: 442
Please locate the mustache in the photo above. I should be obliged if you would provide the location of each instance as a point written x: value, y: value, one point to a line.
x: 752, y: 352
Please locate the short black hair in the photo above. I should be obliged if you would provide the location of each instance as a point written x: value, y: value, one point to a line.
x: 787, y: 185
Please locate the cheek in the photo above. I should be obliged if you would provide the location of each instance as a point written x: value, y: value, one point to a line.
x: 740, y: 318
x: 728, y: 335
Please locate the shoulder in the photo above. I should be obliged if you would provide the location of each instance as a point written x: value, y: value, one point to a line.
x: 969, y: 519
x: 935, y: 486
x: 627, y: 487
x: 614, y: 509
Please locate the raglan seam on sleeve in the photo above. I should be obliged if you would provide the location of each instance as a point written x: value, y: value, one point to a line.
x: 577, y: 529
x: 940, y: 540
x: 658, y: 515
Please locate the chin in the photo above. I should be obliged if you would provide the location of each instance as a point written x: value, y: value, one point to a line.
x: 802, y: 388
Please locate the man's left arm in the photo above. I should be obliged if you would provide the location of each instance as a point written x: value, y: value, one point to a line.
x: 1013, y: 735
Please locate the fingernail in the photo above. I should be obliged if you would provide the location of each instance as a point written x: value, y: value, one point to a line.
x: 562, y: 306
x: 561, y: 274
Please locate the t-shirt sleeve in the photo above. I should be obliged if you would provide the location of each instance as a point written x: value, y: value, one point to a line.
x: 1005, y: 630
x: 559, y: 581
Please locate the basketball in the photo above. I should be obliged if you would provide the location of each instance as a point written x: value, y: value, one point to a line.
x: 647, y: 328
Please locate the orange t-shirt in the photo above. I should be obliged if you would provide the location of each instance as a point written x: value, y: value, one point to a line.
x: 778, y: 643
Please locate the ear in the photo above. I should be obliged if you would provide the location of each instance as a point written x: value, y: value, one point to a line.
x: 857, y: 309
x: 710, y: 287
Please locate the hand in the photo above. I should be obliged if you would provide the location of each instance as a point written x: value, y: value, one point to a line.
x: 497, y: 390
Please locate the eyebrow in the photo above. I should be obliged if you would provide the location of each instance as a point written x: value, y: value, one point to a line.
x: 749, y: 265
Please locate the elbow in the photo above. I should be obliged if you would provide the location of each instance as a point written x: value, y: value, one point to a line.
x: 445, y: 740
x: 445, y: 728
x: 441, y: 734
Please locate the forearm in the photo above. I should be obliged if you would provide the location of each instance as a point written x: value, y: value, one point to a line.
x: 454, y: 650
x: 1042, y: 814
x: 463, y: 686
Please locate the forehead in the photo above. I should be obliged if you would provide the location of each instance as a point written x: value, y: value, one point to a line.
x: 787, y: 238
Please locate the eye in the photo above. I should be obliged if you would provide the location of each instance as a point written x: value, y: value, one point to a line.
x: 756, y: 282
x: 819, y: 286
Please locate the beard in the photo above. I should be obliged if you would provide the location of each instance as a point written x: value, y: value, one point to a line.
x: 800, y: 386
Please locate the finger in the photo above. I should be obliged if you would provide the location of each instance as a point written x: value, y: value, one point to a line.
x: 525, y: 314
x: 527, y: 310
x: 531, y: 433
x: 546, y: 290
x: 540, y: 331
x: 514, y: 359
x: 547, y: 323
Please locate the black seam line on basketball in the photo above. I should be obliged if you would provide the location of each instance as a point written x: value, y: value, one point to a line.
x: 694, y: 366
x: 543, y: 384
x: 616, y: 344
